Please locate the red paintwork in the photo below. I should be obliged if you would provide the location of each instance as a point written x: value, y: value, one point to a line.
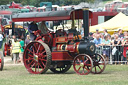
x: 61, y: 56
x: 40, y: 19
x: 70, y: 36
x: 61, y: 39
x: 6, y: 49
x: 94, y: 20
x: 15, y: 5
x: 0, y: 60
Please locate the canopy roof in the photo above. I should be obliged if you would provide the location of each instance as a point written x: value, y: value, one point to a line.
x: 49, y: 15
x: 119, y: 21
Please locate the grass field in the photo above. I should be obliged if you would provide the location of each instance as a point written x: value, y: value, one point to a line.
x: 17, y: 75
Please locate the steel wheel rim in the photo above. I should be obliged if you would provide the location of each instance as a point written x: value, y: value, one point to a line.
x: 4, y: 48
x: 35, y: 58
x: 82, y: 64
x: 98, y: 64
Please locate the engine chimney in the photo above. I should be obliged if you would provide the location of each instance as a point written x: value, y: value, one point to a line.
x: 86, y: 22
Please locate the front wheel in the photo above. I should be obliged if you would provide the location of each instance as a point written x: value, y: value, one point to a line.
x: 82, y: 64
x: 98, y: 64
x: 37, y: 57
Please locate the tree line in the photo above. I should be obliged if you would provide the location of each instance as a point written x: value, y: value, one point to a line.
x: 57, y: 2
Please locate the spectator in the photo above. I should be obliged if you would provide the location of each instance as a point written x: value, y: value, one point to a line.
x: 91, y: 36
x: 1, y: 40
x: 32, y: 28
x: 121, y: 35
x: 21, y: 50
x: 106, y: 47
x: 97, y: 33
x: 27, y: 40
x: 125, y: 49
x: 116, y: 42
x: 97, y: 41
x: 125, y: 35
x: 105, y: 32
x: 15, y: 50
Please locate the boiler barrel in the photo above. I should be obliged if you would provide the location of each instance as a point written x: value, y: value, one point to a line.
x: 87, y: 48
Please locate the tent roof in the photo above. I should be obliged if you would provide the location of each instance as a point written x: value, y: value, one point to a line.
x: 49, y: 15
x: 118, y: 21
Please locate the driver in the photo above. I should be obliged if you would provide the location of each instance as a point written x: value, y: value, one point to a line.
x: 32, y: 28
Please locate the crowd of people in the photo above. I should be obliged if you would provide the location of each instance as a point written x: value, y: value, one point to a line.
x: 17, y: 48
x: 115, y: 44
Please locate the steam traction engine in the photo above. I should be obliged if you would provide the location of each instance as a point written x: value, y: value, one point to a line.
x: 58, y: 51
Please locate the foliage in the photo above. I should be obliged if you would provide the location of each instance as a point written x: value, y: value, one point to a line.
x: 36, y: 2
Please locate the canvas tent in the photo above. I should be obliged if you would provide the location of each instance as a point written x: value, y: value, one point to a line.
x: 118, y: 21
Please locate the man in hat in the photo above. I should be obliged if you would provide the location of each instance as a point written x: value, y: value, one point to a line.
x: 32, y: 28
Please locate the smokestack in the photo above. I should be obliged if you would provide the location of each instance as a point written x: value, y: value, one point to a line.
x: 86, y: 22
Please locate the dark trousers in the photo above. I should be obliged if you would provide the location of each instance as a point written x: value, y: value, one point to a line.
x: 1, y: 44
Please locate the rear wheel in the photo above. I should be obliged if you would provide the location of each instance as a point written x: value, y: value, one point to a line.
x: 61, y: 68
x: 1, y: 62
x: 98, y: 64
x: 82, y: 64
x: 37, y: 57
x: 4, y: 49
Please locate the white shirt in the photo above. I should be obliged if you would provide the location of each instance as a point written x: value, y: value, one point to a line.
x: 1, y: 37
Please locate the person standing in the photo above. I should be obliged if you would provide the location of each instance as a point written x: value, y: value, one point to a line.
x: 32, y: 28
x: 27, y: 40
x: 21, y: 50
x: 15, y: 50
x: 1, y: 40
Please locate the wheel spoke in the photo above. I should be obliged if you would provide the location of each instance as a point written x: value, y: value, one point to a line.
x: 30, y: 55
x: 95, y: 69
x: 101, y: 63
x: 79, y: 68
x: 30, y: 51
x: 87, y: 64
x: 35, y: 46
x: 38, y: 48
x: 79, y: 60
x: 86, y: 69
x: 85, y: 61
x: 30, y: 63
x: 42, y: 53
x: 35, y: 67
x: 28, y: 59
x: 42, y: 59
x: 99, y: 67
x: 99, y: 59
x: 43, y: 64
x: 83, y: 71
x: 40, y: 65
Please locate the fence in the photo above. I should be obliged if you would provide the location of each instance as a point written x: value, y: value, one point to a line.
x: 114, y: 54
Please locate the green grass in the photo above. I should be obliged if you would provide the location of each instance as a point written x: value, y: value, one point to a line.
x: 17, y: 75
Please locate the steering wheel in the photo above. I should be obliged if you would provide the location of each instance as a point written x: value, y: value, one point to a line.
x: 61, y: 32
